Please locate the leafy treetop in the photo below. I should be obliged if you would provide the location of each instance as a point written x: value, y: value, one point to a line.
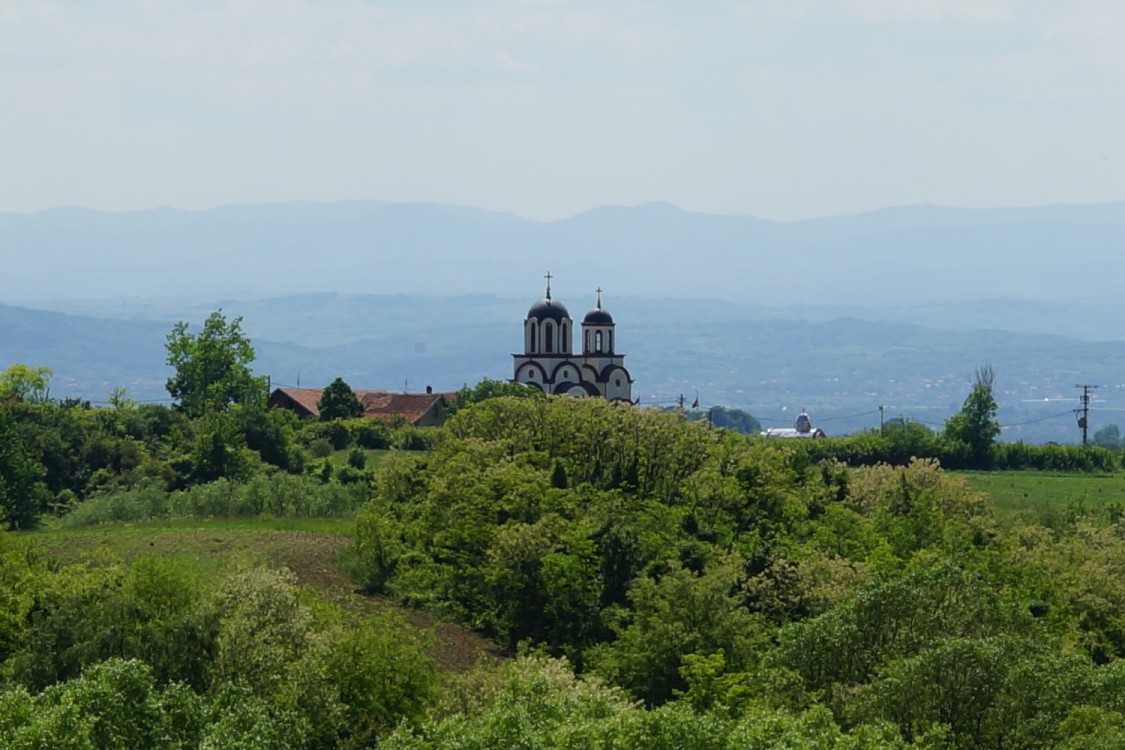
x: 975, y: 425
x: 339, y: 402
x: 24, y: 383
x: 490, y: 388
x: 212, y: 367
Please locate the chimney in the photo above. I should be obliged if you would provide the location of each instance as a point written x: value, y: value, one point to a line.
x: 429, y: 389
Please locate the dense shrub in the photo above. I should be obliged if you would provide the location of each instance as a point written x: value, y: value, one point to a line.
x: 898, y: 445
x: 146, y: 501
x: 1051, y: 457
x: 373, y: 434
x: 153, y: 655
x: 278, y: 494
x: 336, y: 432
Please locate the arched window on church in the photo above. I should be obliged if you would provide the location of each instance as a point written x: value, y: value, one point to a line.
x: 562, y: 338
x: 534, y: 343
x: 586, y: 347
x: 598, y: 341
x: 611, y: 342
x: 548, y: 338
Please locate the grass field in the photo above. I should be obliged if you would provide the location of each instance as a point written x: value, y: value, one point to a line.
x: 374, y: 457
x: 1032, y: 496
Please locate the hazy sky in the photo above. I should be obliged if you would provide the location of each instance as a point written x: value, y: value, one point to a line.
x: 781, y: 109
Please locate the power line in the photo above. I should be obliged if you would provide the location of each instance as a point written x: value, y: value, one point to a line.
x: 852, y: 416
x: 1034, y: 421
x: 132, y: 400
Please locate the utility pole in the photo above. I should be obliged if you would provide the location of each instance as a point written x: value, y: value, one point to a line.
x: 1083, y: 413
x: 881, y: 419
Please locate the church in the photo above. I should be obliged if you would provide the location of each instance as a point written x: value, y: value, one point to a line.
x: 550, y: 363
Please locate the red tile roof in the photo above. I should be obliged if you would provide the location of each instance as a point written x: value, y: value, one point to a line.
x: 376, y: 404
x: 301, y: 400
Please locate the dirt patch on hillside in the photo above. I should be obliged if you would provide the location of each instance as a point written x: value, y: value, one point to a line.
x: 312, y: 556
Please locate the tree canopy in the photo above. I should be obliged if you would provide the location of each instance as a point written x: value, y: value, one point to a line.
x: 490, y: 388
x: 24, y: 383
x: 975, y: 425
x: 338, y: 401
x: 212, y: 367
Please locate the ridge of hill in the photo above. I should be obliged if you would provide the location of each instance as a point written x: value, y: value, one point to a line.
x: 898, y: 256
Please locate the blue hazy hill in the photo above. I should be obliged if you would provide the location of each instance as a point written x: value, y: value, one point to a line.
x: 898, y: 256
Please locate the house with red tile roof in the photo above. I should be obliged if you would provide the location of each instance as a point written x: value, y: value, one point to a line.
x: 419, y: 409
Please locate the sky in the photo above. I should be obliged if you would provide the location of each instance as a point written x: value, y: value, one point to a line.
x: 783, y: 109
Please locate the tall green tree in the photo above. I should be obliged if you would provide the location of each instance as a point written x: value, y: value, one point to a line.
x: 975, y: 425
x: 24, y: 383
x: 339, y: 402
x: 21, y: 488
x: 212, y: 367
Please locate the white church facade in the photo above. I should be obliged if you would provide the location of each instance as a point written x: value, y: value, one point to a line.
x: 550, y: 363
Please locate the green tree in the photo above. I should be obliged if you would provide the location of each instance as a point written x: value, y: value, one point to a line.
x: 20, y: 474
x: 118, y: 400
x: 339, y: 402
x: 735, y: 419
x: 220, y: 451
x: 23, y: 383
x: 975, y: 426
x: 681, y: 614
x: 212, y: 367
x: 1108, y: 437
x: 909, y: 440
x: 489, y: 388
x: 114, y: 704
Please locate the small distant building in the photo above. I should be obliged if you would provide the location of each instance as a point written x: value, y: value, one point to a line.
x: 550, y: 363
x: 419, y: 409
x: 802, y: 429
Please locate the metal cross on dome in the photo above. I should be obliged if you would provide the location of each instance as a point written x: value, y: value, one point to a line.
x: 548, y: 277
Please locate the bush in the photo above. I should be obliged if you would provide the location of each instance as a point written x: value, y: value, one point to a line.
x: 280, y: 495
x: 320, y: 448
x: 372, y: 434
x: 901, y: 443
x: 147, y: 501
x: 357, y: 459
x: 335, y: 432
x: 411, y: 438
x: 277, y: 494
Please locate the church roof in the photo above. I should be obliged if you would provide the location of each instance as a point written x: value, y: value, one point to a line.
x: 598, y: 317
x: 548, y: 309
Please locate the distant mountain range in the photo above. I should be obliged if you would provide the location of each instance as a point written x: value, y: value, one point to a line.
x: 895, y: 257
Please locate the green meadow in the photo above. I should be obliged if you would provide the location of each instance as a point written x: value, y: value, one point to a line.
x: 1045, y: 497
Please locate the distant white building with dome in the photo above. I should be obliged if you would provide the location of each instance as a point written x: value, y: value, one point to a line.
x: 550, y: 363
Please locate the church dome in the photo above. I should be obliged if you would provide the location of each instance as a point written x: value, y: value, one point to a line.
x: 598, y: 317
x: 548, y: 309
